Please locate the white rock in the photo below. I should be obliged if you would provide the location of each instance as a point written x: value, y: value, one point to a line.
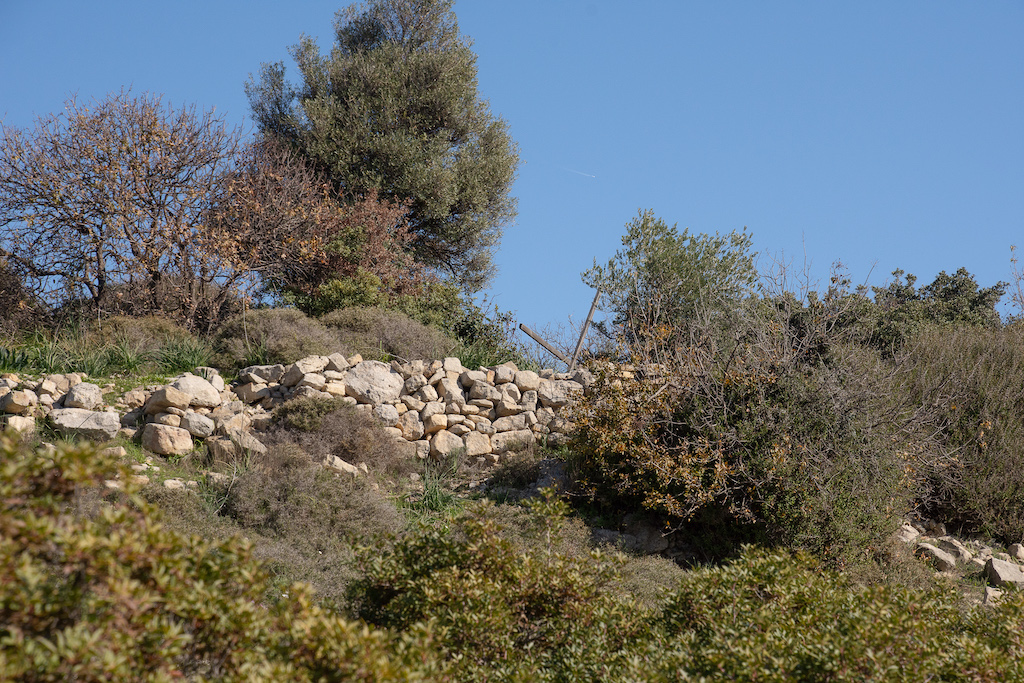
x: 85, y: 395
x: 166, y: 440
x: 527, y: 380
x: 200, y: 392
x: 558, y: 393
x: 939, y: 558
x: 373, y: 382
x: 88, y: 424
x: 1003, y: 573
x: 387, y: 414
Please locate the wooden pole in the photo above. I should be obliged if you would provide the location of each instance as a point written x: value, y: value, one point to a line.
x: 583, y: 334
x: 536, y: 338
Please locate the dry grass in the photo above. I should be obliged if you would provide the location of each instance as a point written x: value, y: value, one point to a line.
x: 383, y: 334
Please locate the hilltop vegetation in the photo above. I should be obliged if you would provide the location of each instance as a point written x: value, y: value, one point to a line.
x: 768, y: 437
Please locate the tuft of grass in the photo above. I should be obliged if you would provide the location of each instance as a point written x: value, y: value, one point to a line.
x: 183, y: 355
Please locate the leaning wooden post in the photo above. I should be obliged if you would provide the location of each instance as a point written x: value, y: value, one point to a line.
x: 583, y: 334
x: 536, y: 338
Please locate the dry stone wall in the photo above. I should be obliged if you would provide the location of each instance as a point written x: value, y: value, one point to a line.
x: 431, y: 408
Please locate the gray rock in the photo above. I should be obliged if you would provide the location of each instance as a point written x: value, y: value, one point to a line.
x: 262, y: 373
x: 85, y: 395
x: 294, y: 373
x: 373, y: 382
x: 88, y: 424
x: 197, y: 425
x: 511, y: 441
x: 558, y: 393
x: 386, y: 413
x: 1003, y: 573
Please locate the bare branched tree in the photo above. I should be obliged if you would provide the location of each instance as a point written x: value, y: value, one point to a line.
x: 104, y: 201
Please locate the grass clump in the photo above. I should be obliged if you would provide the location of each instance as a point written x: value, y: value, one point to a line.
x: 383, y: 334
x: 271, y: 335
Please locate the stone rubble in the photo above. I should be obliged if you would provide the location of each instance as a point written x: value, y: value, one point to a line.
x: 435, y: 407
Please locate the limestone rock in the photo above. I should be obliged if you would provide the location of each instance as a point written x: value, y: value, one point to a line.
x: 443, y: 443
x: 166, y: 440
x: 333, y: 462
x: 907, y: 533
x: 510, y: 441
x: 1003, y: 573
x: 197, y: 425
x: 526, y: 380
x: 201, y: 392
x: 18, y: 402
x: 336, y: 363
x: 85, y: 395
x: 21, y: 424
x: 165, y: 397
x: 252, y: 392
x: 387, y: 414
x: 435, y: 423
x: 558, y: 393
x: 411, y: 425
x: 373, y: 382
x: 89, y: 424
x: 294, y: 373
x: 262, y: 373
x: 477, y: 444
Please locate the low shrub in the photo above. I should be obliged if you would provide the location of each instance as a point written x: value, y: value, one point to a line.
x: 507, y: 614
x: 781, y: 617
x: 271, y: 335
x: 106, y: 592
x: 382, y: 334
x: 325, y: 427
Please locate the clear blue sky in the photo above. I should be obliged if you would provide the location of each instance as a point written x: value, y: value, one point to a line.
x: 883, y: 134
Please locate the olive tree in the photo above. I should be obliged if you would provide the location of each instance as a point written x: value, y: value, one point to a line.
x: 394, y: 109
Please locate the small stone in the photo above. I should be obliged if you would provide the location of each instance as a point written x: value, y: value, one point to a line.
x: 1002, y: 573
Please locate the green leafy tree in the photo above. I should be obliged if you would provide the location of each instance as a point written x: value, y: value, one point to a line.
x: 663, y: 278
x: 394, y: 109
x: 902, y: 310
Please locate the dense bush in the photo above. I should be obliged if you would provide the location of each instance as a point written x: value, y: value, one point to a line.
x: 786, y: 426
x: 507, y: 614
x: 325, y: 427
x: 780, y: 617
x: 383, y: 334
x: 94, y: 590
x: 271, y: 335
x: 972, y: 379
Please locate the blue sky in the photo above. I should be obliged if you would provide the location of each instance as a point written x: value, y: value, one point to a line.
x: 883, y: 134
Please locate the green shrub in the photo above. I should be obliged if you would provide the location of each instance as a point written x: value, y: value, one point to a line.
x: 271, y: 335
x: 95, y: 590
x: 780, y: 617
x: 968, y: 380
x: 507, y: 613
x: 325, y: 427
x: 378, y: 333
x: 788, y: 431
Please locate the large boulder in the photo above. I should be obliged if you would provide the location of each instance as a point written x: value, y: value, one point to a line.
x: 88, y: 424
x: 167, y: 397
x: 511, y: 441
x: 1003, y: 573
x: 371, y: 381
x: 201, y: 393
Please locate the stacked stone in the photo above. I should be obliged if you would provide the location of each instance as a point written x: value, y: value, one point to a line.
x: 435, y: 407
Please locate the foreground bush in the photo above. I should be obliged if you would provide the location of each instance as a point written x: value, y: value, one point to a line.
x: 92, y: 590
x: 508, y: 613
x: 779, y: 617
